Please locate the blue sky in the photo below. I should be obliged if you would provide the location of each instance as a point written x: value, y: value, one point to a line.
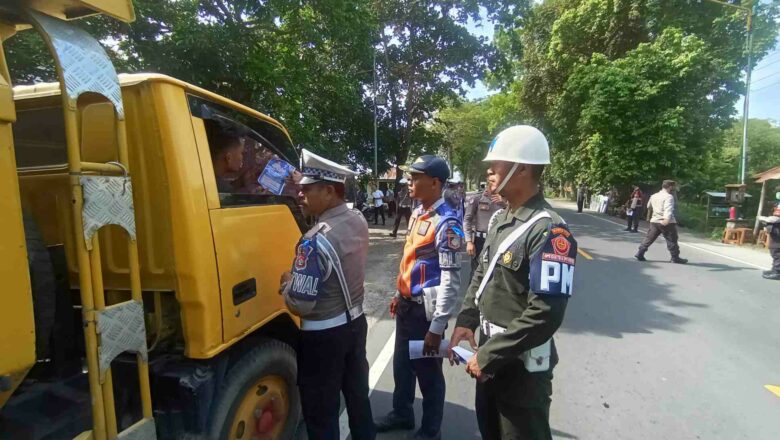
x: 764, y: 90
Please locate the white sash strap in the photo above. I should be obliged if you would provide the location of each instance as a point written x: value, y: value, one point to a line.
x: 335, y: 262
x: 517, y: 233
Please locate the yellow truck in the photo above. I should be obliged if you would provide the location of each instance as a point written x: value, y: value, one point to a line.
x: 141, y: 276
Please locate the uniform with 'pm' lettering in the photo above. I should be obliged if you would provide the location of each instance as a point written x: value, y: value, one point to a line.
x: 518, y: 306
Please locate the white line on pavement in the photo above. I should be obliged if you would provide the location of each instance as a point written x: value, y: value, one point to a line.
x: 687, y: 244
x: 374, y: 373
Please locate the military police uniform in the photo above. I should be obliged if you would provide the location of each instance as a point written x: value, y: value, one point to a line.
x: 479, y: 209
x: 326, y: 291
x: 517, y: 298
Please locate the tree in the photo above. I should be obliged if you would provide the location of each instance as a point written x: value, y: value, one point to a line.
x: 425, y: 57
x: 622, y: 87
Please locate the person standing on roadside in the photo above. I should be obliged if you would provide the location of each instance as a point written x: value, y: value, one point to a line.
x: 479, y: 210
x: 428, y: 285
x: 634, y: 209
x: 518, y: 295
x: 391, y: 206
x: 404, y: 206
x: 662, y: 222
x: 325, y: 288
x: 773, y: 230
x: 582, y: 193
x: 379, y: 201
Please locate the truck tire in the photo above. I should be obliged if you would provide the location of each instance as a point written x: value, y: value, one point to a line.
x: 259, y: 396
x: 44, y: 286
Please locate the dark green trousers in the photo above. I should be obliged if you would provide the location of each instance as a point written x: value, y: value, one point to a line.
x: 515, y: 405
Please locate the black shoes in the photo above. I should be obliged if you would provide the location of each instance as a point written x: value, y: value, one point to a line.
x: 392, y: 422
x: 771, y: 275
x: 678, y: 260
x: 640, y: 257
x: 627, y: 229
x: 634, y: 231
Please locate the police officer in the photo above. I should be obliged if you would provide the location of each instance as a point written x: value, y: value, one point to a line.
x: 428, y: 286
x: 518, y: 294
x: 479, y: 209
x: 325, y: 288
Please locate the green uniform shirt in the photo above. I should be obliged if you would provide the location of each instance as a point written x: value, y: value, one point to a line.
x: 530, y: 319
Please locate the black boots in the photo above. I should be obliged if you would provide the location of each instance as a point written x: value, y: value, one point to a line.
x: 678, y: 260
x: 771, y: 275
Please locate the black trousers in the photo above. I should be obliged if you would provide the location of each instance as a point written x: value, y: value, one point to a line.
x: 332, y: 362
x: 515, y: 405
x: 379, y: 210
x: 390, y: 209
x: 633, y: 219
x: 670, y: 234
x: 405, y: 212
x: 775, y: 253
x: 411, y: 324
x: 479, y: 244
x: 580, y: 204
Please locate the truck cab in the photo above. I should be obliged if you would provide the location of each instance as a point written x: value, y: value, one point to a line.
x: 144, y: 245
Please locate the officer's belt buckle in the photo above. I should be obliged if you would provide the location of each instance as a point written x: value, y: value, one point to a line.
x: 490, y: 329
x: 418, y: 299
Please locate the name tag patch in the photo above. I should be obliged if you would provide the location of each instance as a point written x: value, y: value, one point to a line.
x: 552, y: 267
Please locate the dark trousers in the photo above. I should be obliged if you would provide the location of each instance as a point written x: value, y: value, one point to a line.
x: 515, y: 405
x: 390, y: 209
x: 403, y: 212
x: 479, y: 243
x: 670, y: 234
x: 633, y: 219
x: 379, y: 210
x: 580, y: 204
x: 331, y: 362
x: 411, y: 324
x: 775, y: 253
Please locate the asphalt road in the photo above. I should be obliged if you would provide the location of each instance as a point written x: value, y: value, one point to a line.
x: 648, y: 350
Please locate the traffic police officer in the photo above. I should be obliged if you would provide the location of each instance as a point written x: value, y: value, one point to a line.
x: 325, y: 288
x: 518, y: 294
x: 479, y: 209
x: 773, y: 230
x: 428, y: 285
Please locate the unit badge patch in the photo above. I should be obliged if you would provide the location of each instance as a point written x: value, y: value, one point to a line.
x: 552, y: 266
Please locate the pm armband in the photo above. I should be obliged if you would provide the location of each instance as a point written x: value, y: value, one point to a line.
x: 552, y: 266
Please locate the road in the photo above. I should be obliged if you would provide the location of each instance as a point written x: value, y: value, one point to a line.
x: 648, y: 350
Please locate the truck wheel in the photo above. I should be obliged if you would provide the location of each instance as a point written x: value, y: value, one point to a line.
x: 43, y: 283
x: 259, y: 397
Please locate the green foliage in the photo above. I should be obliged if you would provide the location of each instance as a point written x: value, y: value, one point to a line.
x: 632, y: 91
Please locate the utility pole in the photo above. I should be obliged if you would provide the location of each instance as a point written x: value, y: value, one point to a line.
x: 749, y: 10
x: 376, y: 168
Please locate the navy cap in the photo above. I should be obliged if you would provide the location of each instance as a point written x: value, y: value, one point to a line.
x: 431, y: 165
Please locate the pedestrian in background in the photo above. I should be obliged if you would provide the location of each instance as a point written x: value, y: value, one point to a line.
x: 390, y: 199
x: 582, y: 193
x: 773, y: 229
x: 634, y: 206
x: 428, y: 286
x: 662, y: 222
x: 405, y: 203
x: 379, y: 201
x: 479, y: 210
x: 325, y: 288
x: 518, y: 295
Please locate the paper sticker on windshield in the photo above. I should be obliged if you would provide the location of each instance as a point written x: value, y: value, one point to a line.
x: 552, y: 266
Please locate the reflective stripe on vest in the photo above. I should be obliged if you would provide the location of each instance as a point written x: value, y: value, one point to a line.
x: 516, y: 234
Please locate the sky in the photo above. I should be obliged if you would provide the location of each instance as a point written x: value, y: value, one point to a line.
x: 764, y: 89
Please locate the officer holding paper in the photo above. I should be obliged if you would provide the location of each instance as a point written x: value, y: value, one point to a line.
x: 518, y: 295
x: 325, y: 288
x: 428, y: 285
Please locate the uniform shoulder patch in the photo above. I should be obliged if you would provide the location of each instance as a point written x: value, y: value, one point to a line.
x: 552, y: 266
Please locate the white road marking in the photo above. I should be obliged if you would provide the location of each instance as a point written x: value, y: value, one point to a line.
x: 374, y: 373
x: 687, y: 244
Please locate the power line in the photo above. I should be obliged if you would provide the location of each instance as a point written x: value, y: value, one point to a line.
x: 765, y: 77
x: 765, y: 87
x: 767, y: 65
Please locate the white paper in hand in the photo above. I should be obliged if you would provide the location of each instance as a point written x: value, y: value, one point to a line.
x: 463, y: 354
x: 416, y: 350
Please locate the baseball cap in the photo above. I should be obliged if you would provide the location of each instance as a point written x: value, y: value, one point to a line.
x: 430, y: 165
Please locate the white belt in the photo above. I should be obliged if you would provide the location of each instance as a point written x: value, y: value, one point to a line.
x: 311, y: 325
x: 490, y: 329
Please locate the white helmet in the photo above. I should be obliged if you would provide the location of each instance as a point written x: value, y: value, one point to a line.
x: 520, y: 144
